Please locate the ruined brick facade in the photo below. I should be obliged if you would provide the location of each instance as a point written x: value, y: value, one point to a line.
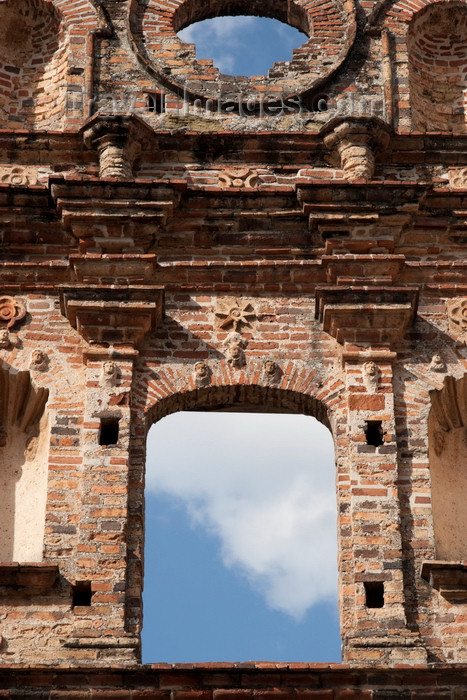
x: 172, y: 238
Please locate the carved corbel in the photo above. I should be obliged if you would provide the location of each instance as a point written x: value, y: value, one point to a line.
x: 119, y: 318
x: 366, y: 316
x: 118, y: 140
x: 353, y: 144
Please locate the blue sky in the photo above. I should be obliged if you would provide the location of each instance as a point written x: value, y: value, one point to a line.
x: 243, y: 45
x: 240, y: 540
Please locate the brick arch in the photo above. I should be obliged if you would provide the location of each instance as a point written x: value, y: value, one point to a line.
x: 250, y: 397
x: 331, y: 27
x: 295, y: 391
x: 437, y: 59
x: 33, y: 49
x: 42, y: 42
x: 434, y: 97
x: 79, y: 15
x: 397, y: 15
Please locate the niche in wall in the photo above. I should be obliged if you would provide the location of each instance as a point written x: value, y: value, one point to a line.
x: 24, y: 444
x: 437, y: 50
x: 33, y: 65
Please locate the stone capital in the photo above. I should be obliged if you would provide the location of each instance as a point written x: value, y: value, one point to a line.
x: 353, y: 144
x: 118, y: 140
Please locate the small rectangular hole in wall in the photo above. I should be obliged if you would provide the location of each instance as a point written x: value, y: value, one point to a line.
x: 374, y: 594
x: 82, y: 593
x: 108, y: 434
x: 374, y: 433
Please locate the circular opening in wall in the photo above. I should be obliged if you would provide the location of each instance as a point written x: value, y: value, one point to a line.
x: 243, y: 45
x: 323, y: 37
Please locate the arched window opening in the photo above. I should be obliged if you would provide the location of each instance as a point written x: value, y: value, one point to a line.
x: 243, y: 45
x: 447, y: 440
x: 437, y: 48
x: 241, y: 543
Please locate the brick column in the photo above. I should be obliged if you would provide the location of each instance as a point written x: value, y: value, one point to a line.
x: 373, y: 575
x: 100, y: 578
x: 368, y: 321
x: 114, y: 327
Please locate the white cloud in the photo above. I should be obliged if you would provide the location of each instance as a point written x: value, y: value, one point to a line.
x: 226, y: 29
x: 219, y: 39
x: 264, y: 485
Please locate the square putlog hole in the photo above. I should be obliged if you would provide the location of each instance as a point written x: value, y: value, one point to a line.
x: 374, y: 433
x: 374, y: 594
x: 108, y: 433
x: 82, y: 594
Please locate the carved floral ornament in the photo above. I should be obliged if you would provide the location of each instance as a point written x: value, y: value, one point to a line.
x: 11, y: 311
x: 234, y: 315
x: 458, y: 178
x: 18, y: 177
x: 457, y: 314
x: 238, y: 177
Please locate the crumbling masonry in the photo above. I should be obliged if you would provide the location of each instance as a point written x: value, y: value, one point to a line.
x: 173, y: 238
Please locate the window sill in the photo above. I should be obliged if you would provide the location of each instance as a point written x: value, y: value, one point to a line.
x: 28, y: 578
x: 448, y: 577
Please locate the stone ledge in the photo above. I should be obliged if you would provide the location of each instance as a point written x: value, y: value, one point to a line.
x: 101, y: 642
x: 251, y: 680
x: 30, y: 577
x: 448, y: 577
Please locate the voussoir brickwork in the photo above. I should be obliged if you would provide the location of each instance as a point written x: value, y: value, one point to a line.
x: 173, y: 239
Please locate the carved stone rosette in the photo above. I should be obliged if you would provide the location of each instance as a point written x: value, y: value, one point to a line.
x: 11, y: 311
x: 238, y: 177
x: 457, y: 314
x: 235, y: 315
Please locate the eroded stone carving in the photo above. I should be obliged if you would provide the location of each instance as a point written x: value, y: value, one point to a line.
x: 235, y: 315
x: 202, y: 374
x: 438, y: 363
x: 371, y: 375
x: 30, y: 450
x: 109, y: 374
x: 19, y: 176
x: 115, y: 138
x: 11, y: 311
x: 238, y: 177
x: 439, y: 442
x: 3, y: 437
x: 271, y: 371
x: 7, y: 339
x: 39, y: 361
x: 457, y: 314
x: 458, y: 178
x: 354, y: 144
x: 235, y: 354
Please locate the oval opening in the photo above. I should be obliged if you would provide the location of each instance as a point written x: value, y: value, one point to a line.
x: 243, y: 45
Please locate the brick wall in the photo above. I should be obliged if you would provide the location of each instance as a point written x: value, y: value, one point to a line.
x: 311, y: 262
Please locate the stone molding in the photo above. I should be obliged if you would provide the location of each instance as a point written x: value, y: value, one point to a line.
x: 366, y: 315
x: 111, y: 315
